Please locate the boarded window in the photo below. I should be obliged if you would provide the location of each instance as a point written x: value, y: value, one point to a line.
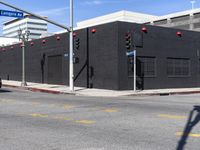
x: 178, y: 67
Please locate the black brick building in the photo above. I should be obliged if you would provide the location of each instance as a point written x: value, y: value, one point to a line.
x: 165, y: 58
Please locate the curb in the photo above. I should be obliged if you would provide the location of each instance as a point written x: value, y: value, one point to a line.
x: 78, y: 94
x: 166, y: 93
x: 39, y: 90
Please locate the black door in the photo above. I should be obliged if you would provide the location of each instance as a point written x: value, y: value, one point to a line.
x: 55, y: 69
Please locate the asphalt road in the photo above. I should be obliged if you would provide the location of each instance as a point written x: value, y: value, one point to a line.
x: 39, y: 121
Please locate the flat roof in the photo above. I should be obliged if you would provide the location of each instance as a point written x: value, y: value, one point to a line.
x: 123, y: 15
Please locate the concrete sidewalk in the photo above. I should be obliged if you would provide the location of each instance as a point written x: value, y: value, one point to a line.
x: 61, y: 89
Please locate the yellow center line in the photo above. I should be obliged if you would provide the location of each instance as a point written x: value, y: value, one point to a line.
x: 39, y: 115
x: 190, y: 134
x: 110, y: 110
x: 85, y: 121
x: 68, y: 106
x: 171, y: 116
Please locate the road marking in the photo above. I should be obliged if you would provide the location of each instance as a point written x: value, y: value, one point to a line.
x: 85, y: 121
x: 110, y: 110
x: 190, y: 135
x: 7, y: 101
x: 171, y: 116
x: 39, y: 115
x: 67, y: 106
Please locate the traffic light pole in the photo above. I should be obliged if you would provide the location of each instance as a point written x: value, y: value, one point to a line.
x: 134, y: 87
x: 71, y: 67
x: 23, y: 64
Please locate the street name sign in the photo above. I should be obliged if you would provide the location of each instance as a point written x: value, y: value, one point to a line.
x: 130, y: 53
x: 8, y: 13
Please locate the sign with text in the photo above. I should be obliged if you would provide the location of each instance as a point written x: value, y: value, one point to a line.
x: 8, y: 13
x: 130, y: 53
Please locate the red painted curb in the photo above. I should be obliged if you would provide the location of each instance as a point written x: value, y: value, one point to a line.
x: 38, y: 90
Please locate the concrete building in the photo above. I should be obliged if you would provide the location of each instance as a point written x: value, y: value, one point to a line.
x: 36, y: 27
x: 187, y: 20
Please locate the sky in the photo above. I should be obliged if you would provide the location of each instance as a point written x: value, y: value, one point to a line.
x: 85, y: 9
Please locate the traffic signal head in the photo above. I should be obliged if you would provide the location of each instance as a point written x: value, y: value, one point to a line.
x: 77, y: 43
x: 128, y: 40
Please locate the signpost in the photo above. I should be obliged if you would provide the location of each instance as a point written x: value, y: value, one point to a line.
x: 8, y: 13
x: 133, y: 54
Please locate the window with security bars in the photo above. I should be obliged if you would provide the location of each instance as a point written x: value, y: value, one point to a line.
x: 178, y: 67
x: 146, y: 66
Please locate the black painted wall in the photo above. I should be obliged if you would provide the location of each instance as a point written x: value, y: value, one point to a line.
x: 160, y: 42
x: 102, y: 60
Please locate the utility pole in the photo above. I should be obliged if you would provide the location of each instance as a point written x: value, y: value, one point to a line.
x: 23, y: 37
x: 135, y: 75
x: 71, y: 53
x: 193, y: 2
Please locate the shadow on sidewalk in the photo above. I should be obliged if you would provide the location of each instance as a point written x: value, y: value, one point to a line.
x: 193, y: 119
x: 4, y: 91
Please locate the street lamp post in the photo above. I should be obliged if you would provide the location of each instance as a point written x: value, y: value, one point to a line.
x: 71, y: 69
x: 23, y: 37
